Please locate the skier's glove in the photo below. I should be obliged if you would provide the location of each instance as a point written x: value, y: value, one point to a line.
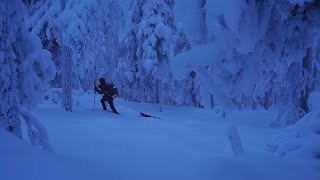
x: 98, y: 90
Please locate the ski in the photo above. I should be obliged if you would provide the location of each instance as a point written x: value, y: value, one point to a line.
x: 147, y: 115
x: 109, y: 111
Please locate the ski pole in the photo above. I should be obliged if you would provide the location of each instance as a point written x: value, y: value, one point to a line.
x: 94, y: 85
x: 94, y: 100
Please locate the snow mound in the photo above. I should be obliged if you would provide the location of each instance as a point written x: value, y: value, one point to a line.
x: 20, y: 161
x: 300, y: 140
x: 314, y: 101
x: 260, y: 166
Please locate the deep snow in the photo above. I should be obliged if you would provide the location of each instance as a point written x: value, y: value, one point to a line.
x: 186, y: 143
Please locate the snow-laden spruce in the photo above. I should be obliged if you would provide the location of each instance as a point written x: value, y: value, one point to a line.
x: 150, y: 48
x: 152, y: 41
x: 87, y: 30
x: 260, y: 54
x: 24, y: 69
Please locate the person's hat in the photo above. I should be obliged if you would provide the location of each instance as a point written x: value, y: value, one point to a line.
x: 102, y: 80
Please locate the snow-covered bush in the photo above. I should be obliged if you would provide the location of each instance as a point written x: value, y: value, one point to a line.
x: 303, y: 138
x: 36, y: 131
x: 314, y: 101
x: 53, y: 96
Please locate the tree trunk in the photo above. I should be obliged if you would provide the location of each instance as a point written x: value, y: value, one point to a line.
x: 160, y: 98
x: 203, y: 22
x: 307, y: 66
x: 67, y: 84
x: 212, y: 101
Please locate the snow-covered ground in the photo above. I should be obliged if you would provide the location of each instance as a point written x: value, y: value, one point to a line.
x: 186, y: 143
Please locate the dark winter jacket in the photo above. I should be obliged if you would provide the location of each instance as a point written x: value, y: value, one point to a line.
x: 107, y: 88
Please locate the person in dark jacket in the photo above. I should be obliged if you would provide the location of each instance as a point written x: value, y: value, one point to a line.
x: 109, y: 92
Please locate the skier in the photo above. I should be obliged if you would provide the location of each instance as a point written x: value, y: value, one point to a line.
x: 109, y: 92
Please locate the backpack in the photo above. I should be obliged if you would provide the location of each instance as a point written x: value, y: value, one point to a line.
x: 113, y: 89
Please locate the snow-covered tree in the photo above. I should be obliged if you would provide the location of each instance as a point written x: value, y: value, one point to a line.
x: 153, y: 27
x: 153, y: 39
x: 25, y: 67
x: 193, y: 14
x: 181, y: 42
x: 108, y: 63
x: 9, y: 113
x: 89, y: 28
x: 289, y: 70
x: 261, y: 53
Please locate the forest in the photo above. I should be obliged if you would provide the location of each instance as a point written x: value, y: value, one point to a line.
x: 238, y: 62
